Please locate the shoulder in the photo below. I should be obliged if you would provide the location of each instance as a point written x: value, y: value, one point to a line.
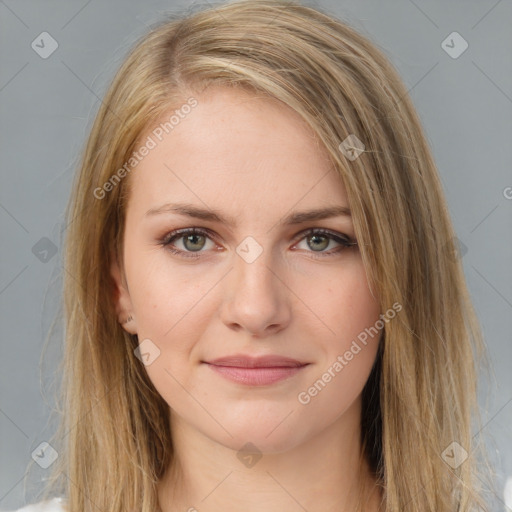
x: 54, y: 505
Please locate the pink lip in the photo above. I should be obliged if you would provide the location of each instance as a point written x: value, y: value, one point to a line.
x: 256, y: 371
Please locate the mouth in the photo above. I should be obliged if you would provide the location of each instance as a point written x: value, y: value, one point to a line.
x: 256, y: 371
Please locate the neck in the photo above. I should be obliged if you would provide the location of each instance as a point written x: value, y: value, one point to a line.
x: 326, y: 473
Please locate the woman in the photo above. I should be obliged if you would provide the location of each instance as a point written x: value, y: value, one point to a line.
x: 264, y: 306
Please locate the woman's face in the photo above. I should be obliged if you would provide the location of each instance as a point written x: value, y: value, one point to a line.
x: 250, y: 283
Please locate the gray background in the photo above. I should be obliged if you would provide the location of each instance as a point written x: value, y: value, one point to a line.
x: 47, y: 106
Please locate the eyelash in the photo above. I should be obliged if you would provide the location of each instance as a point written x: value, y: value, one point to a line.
x: 166, y: 242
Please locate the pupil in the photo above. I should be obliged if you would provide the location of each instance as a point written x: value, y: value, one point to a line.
x: 192, y: 238
x: 316, y: 237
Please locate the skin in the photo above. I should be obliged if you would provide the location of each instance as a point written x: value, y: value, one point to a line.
x: 256, y: 161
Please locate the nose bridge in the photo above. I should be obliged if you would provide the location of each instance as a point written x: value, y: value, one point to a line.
x: 255, y: 298
x: 254, y: 270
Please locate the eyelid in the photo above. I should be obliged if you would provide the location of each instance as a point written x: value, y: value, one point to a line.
x: 205, y: 231
x: 188, y: 231
x: 323, y: 231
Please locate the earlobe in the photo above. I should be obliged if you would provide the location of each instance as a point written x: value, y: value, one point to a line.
x: 129, y: 324
x: 121, y: 299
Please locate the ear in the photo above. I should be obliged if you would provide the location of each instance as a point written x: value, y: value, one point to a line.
x: 121, y: 298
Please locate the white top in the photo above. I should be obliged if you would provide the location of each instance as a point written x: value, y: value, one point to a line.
x: 54, y: 505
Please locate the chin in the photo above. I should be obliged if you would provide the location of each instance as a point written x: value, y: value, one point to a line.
x: 273, y: 435
x: 249, y: 442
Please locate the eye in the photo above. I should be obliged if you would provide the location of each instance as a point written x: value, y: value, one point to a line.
x: 193, y: 240
x: 319, y: 239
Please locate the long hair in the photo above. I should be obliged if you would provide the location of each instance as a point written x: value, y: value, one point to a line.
x: 420, y: 399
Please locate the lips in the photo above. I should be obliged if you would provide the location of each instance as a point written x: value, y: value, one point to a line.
x: 256, y: 371
x: 269, y: 361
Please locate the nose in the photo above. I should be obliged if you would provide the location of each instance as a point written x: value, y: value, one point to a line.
x: 256, y: 297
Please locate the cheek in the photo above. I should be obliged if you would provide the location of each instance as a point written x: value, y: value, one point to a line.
x: 343, y: 302
x: 166, y: 298
x: 352, y: 315
x: 171, y: 312
x: 173, y: 307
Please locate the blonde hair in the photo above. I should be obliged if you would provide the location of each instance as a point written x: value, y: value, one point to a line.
x: 115, y: 442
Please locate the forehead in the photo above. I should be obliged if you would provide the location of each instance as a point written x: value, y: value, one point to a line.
x: 244, y: 154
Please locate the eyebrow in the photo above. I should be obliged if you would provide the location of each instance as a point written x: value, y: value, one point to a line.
x: 190, y: 210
